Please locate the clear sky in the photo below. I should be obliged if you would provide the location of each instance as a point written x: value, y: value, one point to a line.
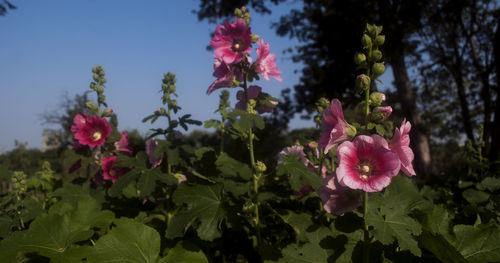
x: 48, y: 48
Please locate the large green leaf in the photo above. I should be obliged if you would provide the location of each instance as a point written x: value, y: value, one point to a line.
x: 231, y: 167
x: 300, y: 175
x: 129, y: 242
x: 184, y: 253
x: 388, y: 214
x: 54, y: 235
x: 479, y: 243
x: 299, y: 223
x: 474, y: 196
x: 312, y: 251
x: 204, y: 203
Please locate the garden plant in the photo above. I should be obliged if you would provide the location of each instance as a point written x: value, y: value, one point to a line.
x: 349, y: 194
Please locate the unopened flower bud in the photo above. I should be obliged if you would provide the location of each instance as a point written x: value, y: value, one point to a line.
x: 90, y: 105
x: 379, y: 40
x: 255, y: 37
x: 366, y: 41
x: 103, y: 79
x: 373, y: 30
x: 95, y: 77
x: 376, y: 98
x: 101, y: 98
x: 100, y: 89
x: 359, y: 58
x: 312, y: 145
x: 317, y: 119
x: 107, y: 113
x: 351, y: 131
x: 376, y: 55
x: 378, y: 69
x: 238, y: 13
x: 92, y: 86
x: 363, y: 82
x: 380, y: 114
x: 260, y: 167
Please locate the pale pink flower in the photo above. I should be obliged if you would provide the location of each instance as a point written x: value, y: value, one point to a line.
x: 122, y: 145
x: 334, y: 127
x: 366, y: 163
x: 338, y: 199
x: 91, y: 131
x: 225, y: 75
x: 110, y: 171
x: 295, y: 149
x: 231, y: 41
x: 400, y: 143
x: 266, y: 63
x: 253, y: 92
x: 150, y: 151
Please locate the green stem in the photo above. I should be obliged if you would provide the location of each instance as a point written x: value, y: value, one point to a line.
x: 366, y: 247
x: 255, y: 176
x: 222, y: 136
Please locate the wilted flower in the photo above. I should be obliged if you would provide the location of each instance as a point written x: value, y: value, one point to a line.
x: 122, y: 145
x: 334, y: 127
x: 110, y: 171
x: 338, y: 199
x: 266, y: 63
x: 225, y: 75
x: 400, y: 143
x: 150, y: 151
x: 253, y: 92
x: 231, y: 41
x: 91, y: 131
x: 366, y: 163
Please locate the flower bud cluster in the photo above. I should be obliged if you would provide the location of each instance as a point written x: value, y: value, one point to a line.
x: 371, y: 57
x: 19, y: 183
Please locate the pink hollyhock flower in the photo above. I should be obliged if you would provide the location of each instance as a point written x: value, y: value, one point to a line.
x: 122, y: 145
x: 295, y: 149
x: 400, y: 143
x: 266, y: 63
x: 366, y: 163
x: 225, y: 75
x: 253, y: 92
x: 334, y: 127
x: 110, y: 171
x: 338, y: 199
x: 91, y: 131
x: 386, y: 110
x: 231, y: 41
x: 150, y: 151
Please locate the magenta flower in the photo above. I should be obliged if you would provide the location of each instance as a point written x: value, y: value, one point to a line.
x: 334, y: 127
x: 266, y: 63
x: 366, y: 163
x: 253, y: 92
x: 122, y: 145
x: 231, y: 41
x: 150, y: 151
x: 225, y: 75
x: 295, y: 149
x: 338, y: 199
x: 110, y: 171
x: 91, y: 131
x: 400, y: 143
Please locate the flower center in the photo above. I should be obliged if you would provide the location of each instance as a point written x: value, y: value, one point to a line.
x: 96, y: 136
x: 112, y: 173
x: 365, y: 170
x: 237, y: 45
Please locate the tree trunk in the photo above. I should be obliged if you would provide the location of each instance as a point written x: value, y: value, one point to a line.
x: 495, y: 137
x: 418, y: 138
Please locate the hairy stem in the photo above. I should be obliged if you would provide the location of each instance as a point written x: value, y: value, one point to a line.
x: 366, y: 246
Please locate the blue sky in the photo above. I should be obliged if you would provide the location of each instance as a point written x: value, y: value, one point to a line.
x: 49, y: 47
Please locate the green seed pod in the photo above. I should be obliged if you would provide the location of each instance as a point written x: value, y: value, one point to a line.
x: 376, y: 55
x: 378, y: 69
x: 359, y: 58
x: 366, y: 41
x: 379, y: 40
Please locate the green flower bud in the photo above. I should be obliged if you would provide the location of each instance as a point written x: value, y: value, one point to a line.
x: 260, y: 167
x: 373, y: 30
x: 248, y: 207
x: 255, y: 37
x: 366, y: 41
x: 107, y: 113
x: 379, y: 40
x: 95, y: 77
x: 378, y: 69
x: 317, y: 119
x: 101, y: 98
x: 376, y: 99
x: 94, y: 70
x: 100, y: 89
x: 363, y: 82
x: 351, y: 131
x: 238, y: 13
x: 359, y: 58
x: 376, y: 55
x: 103, y: 79
x: 90, y: 105
x: 92, y: 86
